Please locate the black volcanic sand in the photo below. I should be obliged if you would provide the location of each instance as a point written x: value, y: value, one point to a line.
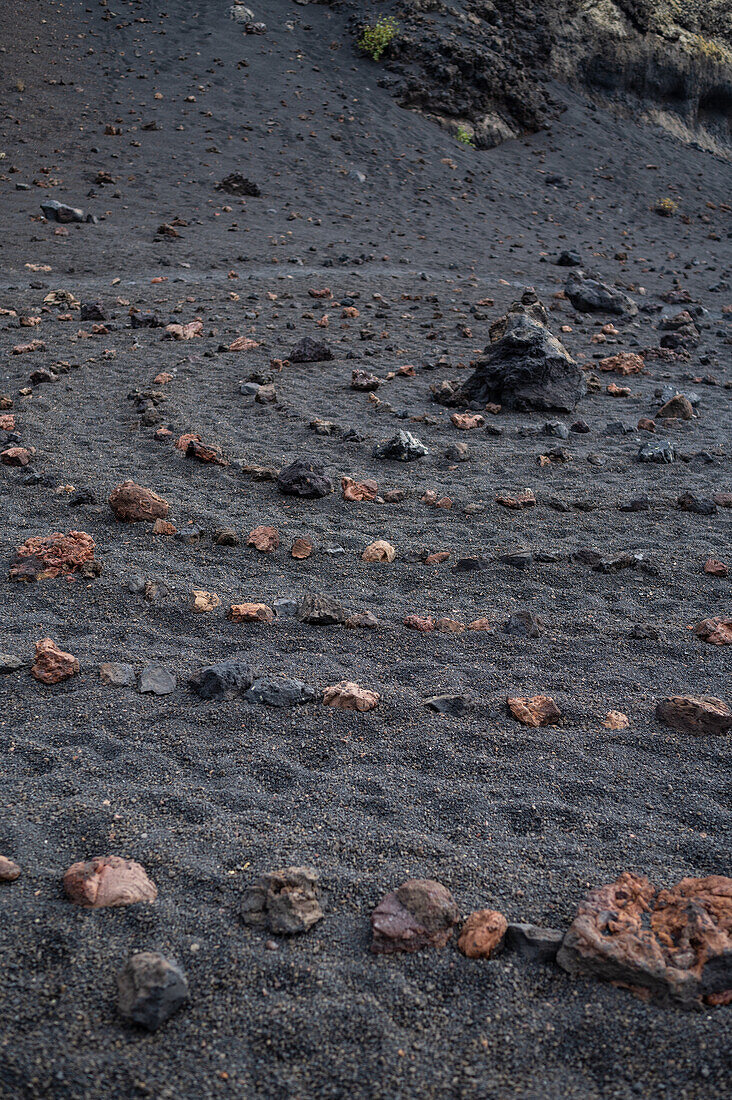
x: 209, y: 795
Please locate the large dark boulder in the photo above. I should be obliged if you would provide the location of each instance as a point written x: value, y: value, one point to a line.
x: 591, y: 296
x: 304, y: 479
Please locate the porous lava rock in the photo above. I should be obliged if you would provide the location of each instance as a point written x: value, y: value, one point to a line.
x: 347, y: 695
x: 304, y: 479
x: 54, y: 555
x: 108, y: 881
x: 698, y: 714
x: 224, y: 678
x: 420, y: 913
x: 132, y: 503
x: 321, y: 611
x: 311, y: 351
x: 150, y: 988
x: 483, y: 934
x: 673, y: 947
x: 589, y: 295
x: 52, y: 665
x: 716, y: 631
x: 537, y: 711
x: 285, y: 902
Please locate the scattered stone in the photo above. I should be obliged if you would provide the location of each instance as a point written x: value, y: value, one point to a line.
x: 455, y: 706
x: 9, y: 870
x: 417, y: 622
x: 250, y: 613
x: 108, y: 881
x: 54, y: 211
x: 237, y: 184
x: 349, y: 696
x: 321, y: 611
x: 164, y: 527
x: 657, y: 450
x: 458, y: 452
x: 202, y: 602
x: 280, y: 693
x: 524, y: 499
x: 52, y: 665
x: 10, y: 663
x: 525, y: 624
x: 359, y: 490
x: 540, y: 710
x: 310, y: 351
x: 156, y: 681
x: 673, y: 947
x: 420, y: 913
x: 716, y: 568
x: 449, y: 626
x: 483, y: 934
x: 284, y: 902
x: 117, y: 674
x: 362, y: 619
x: 690, y: 502
x: 54, y: 556
x: 624, y: 363
x: 724, y: 500
x: 150, y: 989
x: 481, y: 624
x: 591, y: 296
x: 304, y: 479
x: 265, y: 539
x: 616, y: 720
x: 301, y: 548
x: 132, y: 503
x: 16, y: 456
x: 403, y: 447
x: 187, y: 331
x: 467, y: 421
x: 224, y: 678
x: 380, y: 551
x: 363, y: 381
x: 226, y: 536
x: 717, y: 631
x: 678, y: 408
x: 698, y: 714
x: 538, y: 945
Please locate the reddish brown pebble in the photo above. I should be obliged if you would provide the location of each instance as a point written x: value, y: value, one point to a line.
x: 483, y: 934
x: 9, y: 870
x: 52, y: 665
x: 697, y: 714
x: 164, y: 527
x: 420, y: 913
x: 265, y: 539
x: 645, y: 424
x: 716, y: 568
x: 108, y: 881
x: 438, y: 558
x: 466, y: 421
x: 379, y: 551
x: 449, y: 626
x: 525, y: 499
x: 540, y: 710
x: 301, y: 549
x: 132, y: 503
x: 416, y: 622
x: 358, y: 490
x: 17, y: 456
x: 616, y: 720
x: 480, y: 624
x: 53, y: 555
x: 717, y: 631
x: 349, y: 696
x: 623, y: 363
x: 251, y: 613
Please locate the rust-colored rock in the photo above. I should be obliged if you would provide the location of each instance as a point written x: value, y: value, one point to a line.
x: 618, y: 391
x: 266, y: 539
x: 131, y: 503
x: 716, y: 568
x: 251, y: 613
x: 616, y: 720
x: 9, y: 870
x: 108, y: 881
x: 645, y: 424
x: 243, y: 343
x: 540, y: 710
x: 467, y: 421
x: 449, y: 626
x: 483, y: 934
x: 52, y: 665
x: 417, y: 622
x: 204, y: 452
x: 437, y: 558
x: 430, y: 497
x: 362, y: 619
x: 358, y: 490
x: 717, y: 631
x: 17, y: 456
x: 678, y: 408
x: 163, y: 378
x: 698, y: 714
x: 673, y: 947
x: 525, y: 499
x: 625, y: 362
x: 7, y: 422
x: 349, y: 696
x: 184, y: 332
x: 421, y: 913
x: 379, y: 551
x: 188, y: 437
x: 164, y: 527
x: 301, y: 548
x: 480, y: 624
x: 53, y: 555
x: 202, y: 602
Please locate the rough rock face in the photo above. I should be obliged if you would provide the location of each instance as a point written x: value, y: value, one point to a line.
x: 695, y: 714
x: 224, y: 678
x: 304, y: 479
x: 538, y: 711
x: 285, y: 902
x: 349, y: 696
x: 321, y: 611
x: 589, y: 295
x: 150, y: 989
x: 526, y: 368
x: 107, y: 881
x: 132, y: 503
x: 52, y: 665
x: 670, y: 946
x: 483, y: 934
x: 421, y: 913
x: 53, y: 556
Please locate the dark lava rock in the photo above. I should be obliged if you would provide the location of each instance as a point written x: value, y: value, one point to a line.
x: 142, y: 319
x: 657, y: 450
x: 156, y: 680
x: 645, y: 632
x: 321, y: 611
x: 678, y: 408
x: 702, y: 506
x: 670, y: 946
x: 150, y: 989
x: 470, y: 565
x: 55, y: 211
x: 224, y: 678
x: 403, y: 447
x: 304, y: 479
x: 280, y: 693
x: 456, y: 706
x: 637, y: 504
x: 80, y: 497
x: 569, y: 259
x: 556, y: 428
x: 591, y: 296
x: 525, y: 624
x: 285, y: 902
x: 10, y: 663
x: 535, y: 944
x: 92, y: 311
x: 421, y: 913
x: 458, y: 452
x: 698, y: 714
x: 527, y: 368
x: 237, y: 184
x: 310, y: 351
x: 226, y: 536
x: 519, y: 559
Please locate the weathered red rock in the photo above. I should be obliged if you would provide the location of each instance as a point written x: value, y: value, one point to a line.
x: 717, y: 631
x: 480, y: 624
x: 362, y: 619
x: 417, y: 622
x: 645, y: 424
x: 251, y: 613
x: 670, y: 946
x: 421, y: 913
x: 449, y: 626
x: 699, y: 714
x: 132, y: 503
x: 184, y: 332
x: 379, y: 551
x: 625, y: 362
x: 616, y: 720
x: 525, y: 499
x: 243, y: 343
x: 9, y: 870
x: 163, y: 527
x: 358, y: 490
x: 716, y: 568
x: 537, y: 711
x: 202, y: 602
x: 437, y: 558
x: 483, y: 934
x: 618, y: 391
x: 7, y: 422
x: 349, y: 696
x: 52, y: 665
x: 108, y: 881
x: 194, y: 447
x: 266, y: 539
x: 17, y: 456
x: 678, y: 408
x: 466, y: 421
x: 53, y: 555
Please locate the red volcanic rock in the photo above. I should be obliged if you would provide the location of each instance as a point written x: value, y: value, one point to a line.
x: 670, y: 946
x: 699, y: 714
x: 358, y: 490
x: 52, y: 664
x: 717, y: 631
x: 9, y: 870
x: 416, y: 622
x: 17, y: 456
x: 716, y: 568
x: 623, y: 363
x: 483, y: 933
x: 132, y: 503
x: 349, y: 696
x: 265, y: 539
x: 538, y: 711
x: 301, y: 548
x: 53, y: 556
x: 466, y: 421
x: 526, y: 499
x: 107, y: 881
x: 251, y: 613
x: 421, y: 913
